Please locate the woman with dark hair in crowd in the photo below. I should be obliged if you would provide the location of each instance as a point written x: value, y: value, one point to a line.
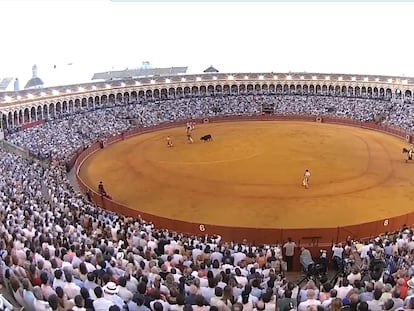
x: 88, y: 302
x: 33, y: 276
x: 17, y: 289
x: 172, y: 297
x: 269, y: 298
x: 179, y: 303
x: 81, y: 273
x: 246, y: 301
x: 336, y: 304
x: 325, y: 291
x: 200, y: 303
x: 53, y: 301
x: 228, y: 297
x: 63, y: 302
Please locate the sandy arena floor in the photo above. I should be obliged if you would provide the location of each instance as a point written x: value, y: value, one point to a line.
x: 251, y: 174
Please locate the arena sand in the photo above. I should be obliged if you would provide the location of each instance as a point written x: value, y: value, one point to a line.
x: 250, y: 174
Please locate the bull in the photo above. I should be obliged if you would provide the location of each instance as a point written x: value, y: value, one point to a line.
x: 207, y: 137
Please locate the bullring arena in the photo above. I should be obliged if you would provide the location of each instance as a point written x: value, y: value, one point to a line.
x: 251, y: 175
x: 246, y: 183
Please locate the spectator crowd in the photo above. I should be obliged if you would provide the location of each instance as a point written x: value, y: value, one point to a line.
x: 60, y: 138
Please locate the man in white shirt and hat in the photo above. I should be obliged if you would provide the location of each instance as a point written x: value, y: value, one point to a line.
x: 110, y: 293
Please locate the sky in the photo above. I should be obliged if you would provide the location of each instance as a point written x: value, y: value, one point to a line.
x: 100, y: 35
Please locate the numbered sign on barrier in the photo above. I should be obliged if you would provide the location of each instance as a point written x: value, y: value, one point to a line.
x: 202, y: 228
x: 318, y: 119
x: 206, y: 120
x: 408, y: 138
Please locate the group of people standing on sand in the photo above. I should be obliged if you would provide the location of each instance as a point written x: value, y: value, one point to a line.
x: 190, y: 126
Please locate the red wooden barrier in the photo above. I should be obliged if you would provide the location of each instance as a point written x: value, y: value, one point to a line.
x: 31, y: 124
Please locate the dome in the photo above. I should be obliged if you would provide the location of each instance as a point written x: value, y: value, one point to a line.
x: 34, y: 83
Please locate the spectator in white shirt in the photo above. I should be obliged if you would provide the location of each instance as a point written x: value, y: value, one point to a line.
x: 123, y: 292
x: 343, y: 288
x: 355, y: 275
x: 58, y: 280
x: 70, y: 288
x: 376, y: 304
x: 337, y: 256
x: 111, y: 293
x: 326, y: 304
x: 289, y: 248
x: 310, y: 301
x: 101, y: 303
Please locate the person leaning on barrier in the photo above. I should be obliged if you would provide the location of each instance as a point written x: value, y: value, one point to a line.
x: 101, y: 188
x: 338, y: 256
x: 102, y: 191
